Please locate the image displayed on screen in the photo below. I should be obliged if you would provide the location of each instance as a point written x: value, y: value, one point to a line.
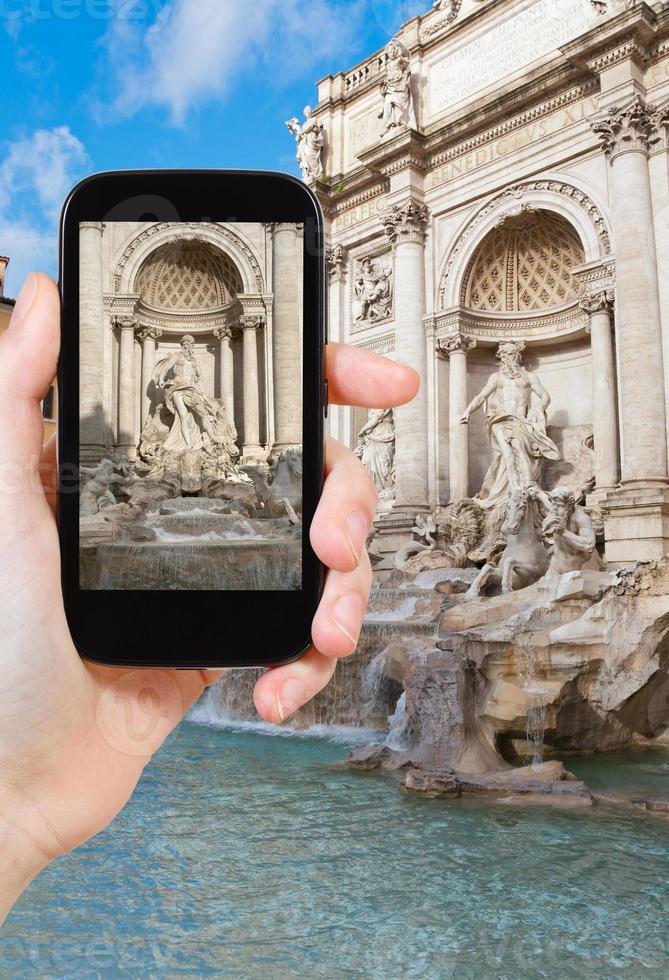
x: 190, y: 406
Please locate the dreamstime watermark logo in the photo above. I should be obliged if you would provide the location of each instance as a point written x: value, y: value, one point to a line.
x: 42, y: 10
x: 138, y: 710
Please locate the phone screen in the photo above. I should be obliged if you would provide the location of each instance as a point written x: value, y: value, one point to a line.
x: 191, y: 406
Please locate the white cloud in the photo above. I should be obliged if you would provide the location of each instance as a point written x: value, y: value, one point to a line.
x: 35, y: 175
x: 197, y: 50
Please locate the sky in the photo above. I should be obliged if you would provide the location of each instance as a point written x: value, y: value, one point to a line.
x: 91, y: 85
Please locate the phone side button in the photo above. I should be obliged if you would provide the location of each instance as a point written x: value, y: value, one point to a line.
x: 326, y: 398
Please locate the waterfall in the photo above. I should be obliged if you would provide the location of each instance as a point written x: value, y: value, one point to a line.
x: 526, y: 666
x: 399, y: 725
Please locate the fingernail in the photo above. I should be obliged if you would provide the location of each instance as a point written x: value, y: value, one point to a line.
x: 347, y: 614
x: 25, y: 300
x: 357, y: 529
x: 290, y: 697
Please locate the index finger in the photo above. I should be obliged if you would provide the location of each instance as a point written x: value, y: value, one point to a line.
x: 358, y: 377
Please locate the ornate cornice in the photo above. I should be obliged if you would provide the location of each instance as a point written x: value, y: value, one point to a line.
x: 406, y: 223
x: 634, y: 127
x: 385, y: 344
x: 493, y: 328
x: 336, y: 259
x: 457, y: 343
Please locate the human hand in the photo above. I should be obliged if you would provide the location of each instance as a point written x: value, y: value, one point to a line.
x: 74, y: 736
x: 464, y: 419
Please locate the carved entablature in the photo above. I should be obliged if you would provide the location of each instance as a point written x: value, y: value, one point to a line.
x: 372, y: 290
x: 385, y: 344
x: 635, y: 126
x: 491, y: 330
x: 596, y: 276
x: 406, y: 223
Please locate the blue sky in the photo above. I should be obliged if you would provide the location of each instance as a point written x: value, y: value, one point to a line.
x: 108, y: 84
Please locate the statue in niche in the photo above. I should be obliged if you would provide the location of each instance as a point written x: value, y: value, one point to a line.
x: 398, y: 109
x: 373, y: 292
x: 516, y: 404
x: 376, y: 449
x: 96, y: 494
x: 310, y: 138
x: 195, y: 414
x: 568, y: 528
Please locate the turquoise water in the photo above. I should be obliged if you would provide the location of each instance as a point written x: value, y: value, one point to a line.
x: 245, y: 855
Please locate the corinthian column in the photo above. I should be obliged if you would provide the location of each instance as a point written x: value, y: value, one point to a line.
x: 148, y: 337
x: 604, y: 408
x: 250, y: 327
x: 627, y: 133
x: 91, y: 345
x: 226, y: 362
x: 456, y: 348
x: 286, y: 336
x: 127, y: 438
x: 406, y: 228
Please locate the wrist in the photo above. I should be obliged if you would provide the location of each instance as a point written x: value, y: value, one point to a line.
x: 21, y: 856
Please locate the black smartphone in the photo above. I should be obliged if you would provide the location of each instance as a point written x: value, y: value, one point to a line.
x: 192, y: 400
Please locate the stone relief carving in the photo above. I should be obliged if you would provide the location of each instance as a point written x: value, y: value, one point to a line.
x: 376, y: 450
x: 635, y: 126
x: 310, y: 138
x: 611, y: 6
x: 398, y: 109
x: 516, y: 426
x: 444, y: 540
x: 372, y: 291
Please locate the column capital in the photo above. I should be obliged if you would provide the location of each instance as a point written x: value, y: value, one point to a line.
x: 457, y: 343
x: 406, y: 223
x: 633, y: 127
x: 601, y: 302
x: 224, y: 332
x: 145, y: 332
x: 92, y: 225
x: 336, y: 260
x: 125, y: 322
x: 252, y: 321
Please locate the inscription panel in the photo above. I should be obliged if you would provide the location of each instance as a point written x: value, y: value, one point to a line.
x: 506, y: 48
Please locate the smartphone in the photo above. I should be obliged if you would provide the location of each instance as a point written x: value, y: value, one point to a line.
x: 192, y: 402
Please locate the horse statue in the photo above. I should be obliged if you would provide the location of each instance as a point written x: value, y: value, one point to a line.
x: 525, y: 558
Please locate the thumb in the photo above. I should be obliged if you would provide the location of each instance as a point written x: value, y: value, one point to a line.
x: 28, y: 359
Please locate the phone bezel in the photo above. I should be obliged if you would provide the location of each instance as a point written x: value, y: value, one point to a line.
x: 191, y: 629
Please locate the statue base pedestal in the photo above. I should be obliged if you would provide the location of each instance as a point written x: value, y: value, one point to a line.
x: 636, y: 520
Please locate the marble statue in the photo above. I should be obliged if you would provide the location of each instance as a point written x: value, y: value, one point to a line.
x: 525, y: 558
x: 310, y: 138
x: 195, y: 414
x: 373, y: 292
x: 376, y: 449
x: 568, y: 526
x: 515, y: 404
x: 398, y: 109
x: 96, y: 493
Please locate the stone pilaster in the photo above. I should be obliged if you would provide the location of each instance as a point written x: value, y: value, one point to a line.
x: 91, y: 361
x: 226, y: 367
x: 456, y: 348
x: 637, y: 515
x: 147, y: 337
x: 127, y: 437
x: 337, y: 266
x: 287, y: 341
x: 406, y: 227
x: 604, y: 405
x: 251, y: 325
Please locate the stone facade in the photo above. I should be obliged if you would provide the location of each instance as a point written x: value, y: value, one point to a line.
x: 521, y: 193
x: 235, y: 288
